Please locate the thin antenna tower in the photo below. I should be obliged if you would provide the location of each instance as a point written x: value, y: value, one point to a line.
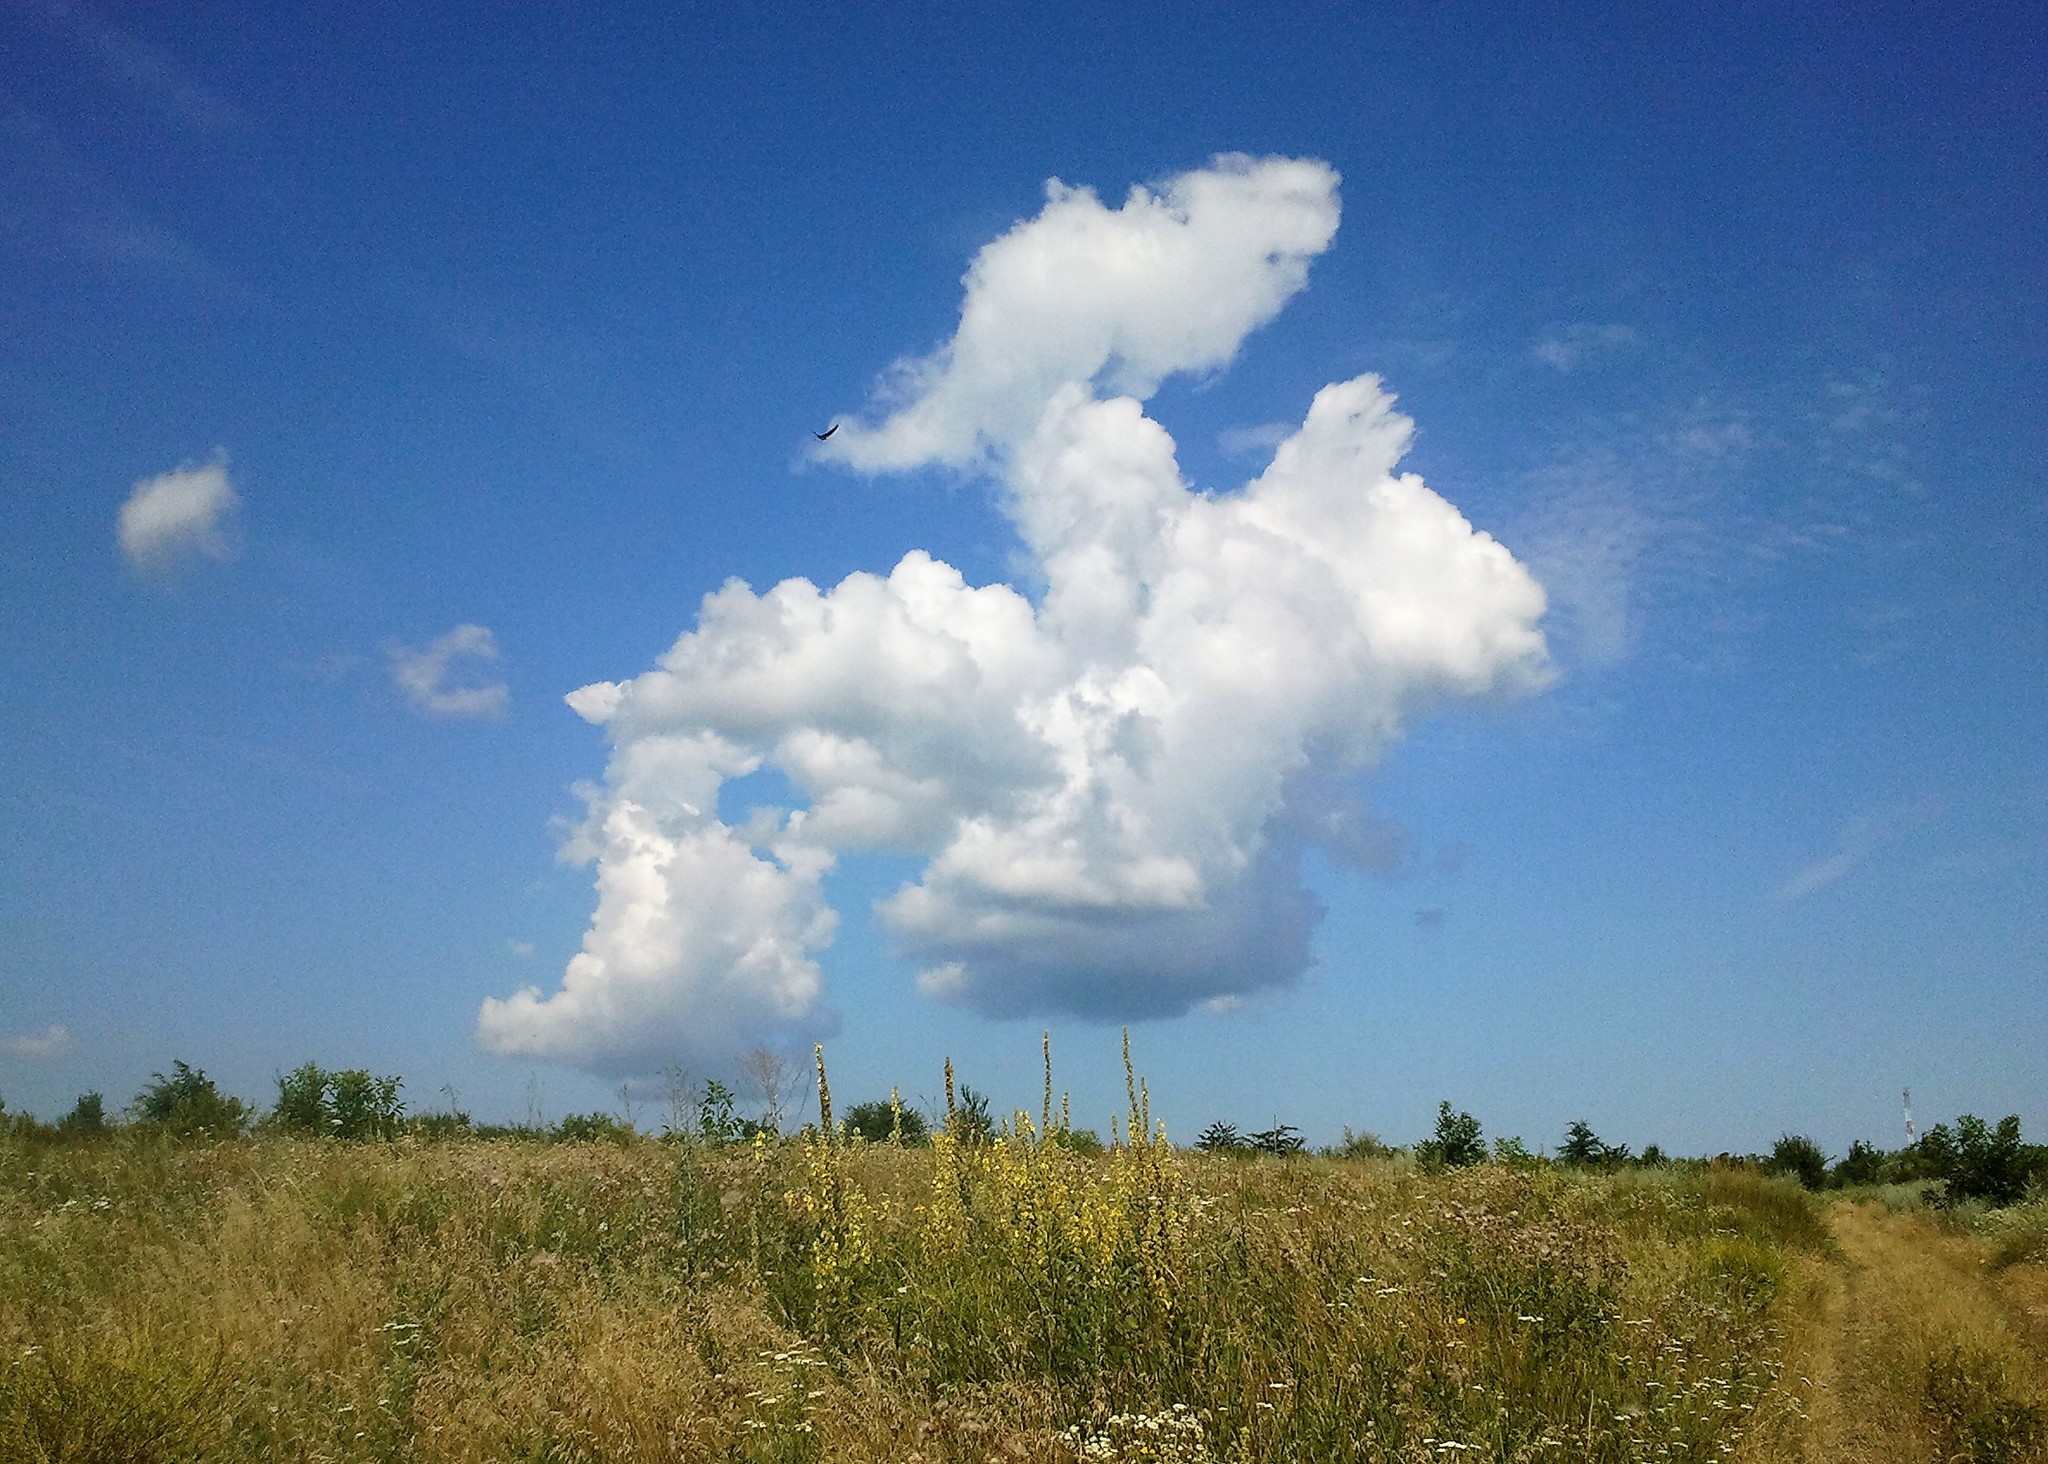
x: 1906, y: 1102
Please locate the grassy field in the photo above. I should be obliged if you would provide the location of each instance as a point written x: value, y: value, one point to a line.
x: 286, y: 1299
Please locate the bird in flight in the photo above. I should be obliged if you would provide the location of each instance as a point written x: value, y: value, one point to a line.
x: 821, y: 436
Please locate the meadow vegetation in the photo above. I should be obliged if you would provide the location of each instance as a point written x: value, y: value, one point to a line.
x: 348, y: 1283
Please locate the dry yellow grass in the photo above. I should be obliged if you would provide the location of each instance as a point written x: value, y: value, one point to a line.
x: 1918, y: 1349
x: 776, y: 1303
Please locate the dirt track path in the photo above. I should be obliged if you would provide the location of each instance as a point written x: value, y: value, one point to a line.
x: 1916, y: 1350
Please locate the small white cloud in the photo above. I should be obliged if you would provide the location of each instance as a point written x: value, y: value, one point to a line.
x: 427, y: 676
x: 520, y: 948
x: 52, y: 1041
x: 185, y: 514
x: 1576, y: 345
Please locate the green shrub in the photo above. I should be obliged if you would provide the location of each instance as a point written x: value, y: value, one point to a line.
x: 716, y: 1122
x: 2022, y: 1235
x: 23, y: 1125
x: 87, y: 1118
x: 971, y: 1122
x: 1976, y: 1160
x: 442, y: 1126
x: 1363, y: 1146
x: 1865, y: 1163
x: 1281, y: 1140
x: 301, y: 1106
x: 365, y: 1107
x: 882, y: 1121
x: 1584, y: 1148
x: 1513, y: 1153
x: 585, y: 1128
x: 1456, y: 1142
x: 1081, y: 1141
x: 1800, y: 1158
x: 349, y: 1104
x: 188, y: 1104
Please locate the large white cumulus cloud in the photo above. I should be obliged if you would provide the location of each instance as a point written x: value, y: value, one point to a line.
x: 1107, y: 787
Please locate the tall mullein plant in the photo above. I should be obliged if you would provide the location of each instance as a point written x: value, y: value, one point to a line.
x: 824, y: 1094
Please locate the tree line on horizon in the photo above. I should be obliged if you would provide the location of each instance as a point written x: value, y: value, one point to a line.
x: 1974, y: 1160
x: 1969, y: 1160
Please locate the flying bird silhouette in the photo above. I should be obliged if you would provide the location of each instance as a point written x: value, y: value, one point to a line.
x: 821, y: 436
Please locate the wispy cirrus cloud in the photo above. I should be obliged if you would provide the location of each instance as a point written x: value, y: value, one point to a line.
x: 1582, y: 344
x: 1862, y: 420
x: 1257, y: 441
x: 1669, y: 516
x: 439, y: 678
x: 145, y: 69
x: 52, y: 1041
x: 1860, y: 838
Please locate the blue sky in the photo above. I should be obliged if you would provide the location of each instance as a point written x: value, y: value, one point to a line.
x: 371, y: 381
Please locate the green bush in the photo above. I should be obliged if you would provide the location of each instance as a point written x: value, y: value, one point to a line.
x: 584, y: 1128
x: 87, y: 1118
x: 1865, y: 1163
x: 23, y: 1125
x: 1081, y: 1141
x: 1584, y: 1148
x: 442, y: 1126
x: 1513, y: 1153
x: 1800, y: 1158
x: 1455, y: 1144
x: 1281, y: 1140
x: 716, y: 1122
x: 349, y: 1104
x: 188, y: 1104
x: 971, y: 1121
x: 301, y: 1106
x: 1976, y: 1160
x: 882, y: 1121
x: 1362, y: 1146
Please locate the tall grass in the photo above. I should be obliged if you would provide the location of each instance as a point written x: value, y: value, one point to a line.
x: 798, y: 1300
x: 1939, y: 1335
